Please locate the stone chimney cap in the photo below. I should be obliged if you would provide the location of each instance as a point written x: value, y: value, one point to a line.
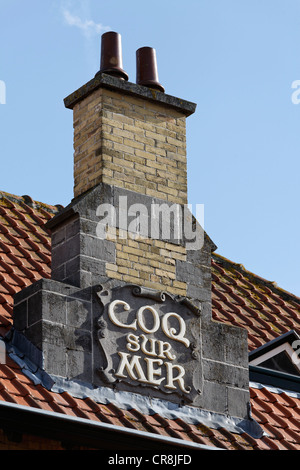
x: 102, y: 80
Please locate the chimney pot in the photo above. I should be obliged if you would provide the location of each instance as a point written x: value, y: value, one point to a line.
x: 111, y: 61
x: 146, y: 68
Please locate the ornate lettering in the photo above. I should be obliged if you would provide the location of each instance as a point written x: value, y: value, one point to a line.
x: 171, y: 332
x: 141, y: 321
x: 155, y: 366
x: 179, y: 378
x: 113, y: 318
x: 131, y: 367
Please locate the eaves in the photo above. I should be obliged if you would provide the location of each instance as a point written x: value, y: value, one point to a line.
x: 18, y: 419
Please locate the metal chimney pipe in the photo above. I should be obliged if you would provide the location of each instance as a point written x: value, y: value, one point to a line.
x: 146, y: 68
x: 111, y: 55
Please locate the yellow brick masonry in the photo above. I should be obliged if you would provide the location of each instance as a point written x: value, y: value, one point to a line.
x: 131, y: 143
x: 147, y: 262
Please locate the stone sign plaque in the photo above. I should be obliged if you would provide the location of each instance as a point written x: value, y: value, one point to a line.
x: 149, y: 343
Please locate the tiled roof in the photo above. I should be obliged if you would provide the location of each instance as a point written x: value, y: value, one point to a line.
x: 241, y: 298
x: 238, y: 297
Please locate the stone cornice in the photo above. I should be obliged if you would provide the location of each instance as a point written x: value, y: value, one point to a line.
x: 102, y: 80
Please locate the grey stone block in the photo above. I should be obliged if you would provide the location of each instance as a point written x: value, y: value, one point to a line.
x: 214, y: 397
x: 88, y: 227
x: 221, y: 372
x: 238, y: 402
x: 58, y: 237
x: 94, y: 247
x: 20, y: 315
x: 198, y: 293
x: 34, y: 333
x: 236, y: 347
x: 79, y: 365
x: 84, y: 271
x: 55, y: 359
x: 199, y: 257
x: 78, y: 313
x: 93, y: 265
x: 53, y: 307
x: 59, y: 273
x: 27, y: 291
x: 34, y: 304
x: 213, y: 342
x: 72, y: 227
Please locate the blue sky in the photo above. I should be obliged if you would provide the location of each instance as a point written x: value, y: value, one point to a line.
x: 237, y: 59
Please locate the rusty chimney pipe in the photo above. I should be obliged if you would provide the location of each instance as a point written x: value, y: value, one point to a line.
x: 111, y: 55
x: 146, y: 68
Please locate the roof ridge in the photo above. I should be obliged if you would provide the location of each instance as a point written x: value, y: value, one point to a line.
x: 272, y: 285
x: 28, y: 201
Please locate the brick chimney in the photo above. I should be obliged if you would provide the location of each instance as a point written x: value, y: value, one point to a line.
x: 129, y: 136
x: 124, y: 313
x: 131, y: 139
